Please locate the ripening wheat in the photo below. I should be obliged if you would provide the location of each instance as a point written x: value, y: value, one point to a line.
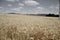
x: 24, y: 27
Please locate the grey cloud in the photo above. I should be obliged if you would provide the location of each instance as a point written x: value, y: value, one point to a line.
x: 31, y: 2
x: 30, y: 6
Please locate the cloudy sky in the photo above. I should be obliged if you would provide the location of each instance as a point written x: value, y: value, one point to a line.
x: 29, y: 6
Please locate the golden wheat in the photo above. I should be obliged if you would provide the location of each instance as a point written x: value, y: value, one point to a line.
x: 24, y: 27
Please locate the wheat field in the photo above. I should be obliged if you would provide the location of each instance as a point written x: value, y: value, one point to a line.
x: 25, y: 27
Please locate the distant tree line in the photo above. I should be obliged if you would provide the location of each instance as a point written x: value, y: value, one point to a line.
x: 52, y: 15
x: 49, y: 15
x: 12, y: 13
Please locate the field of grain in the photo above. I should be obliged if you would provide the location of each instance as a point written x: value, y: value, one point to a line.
x: 25, y: 27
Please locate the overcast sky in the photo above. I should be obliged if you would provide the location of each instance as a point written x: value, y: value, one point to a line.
x: 30, y: 6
